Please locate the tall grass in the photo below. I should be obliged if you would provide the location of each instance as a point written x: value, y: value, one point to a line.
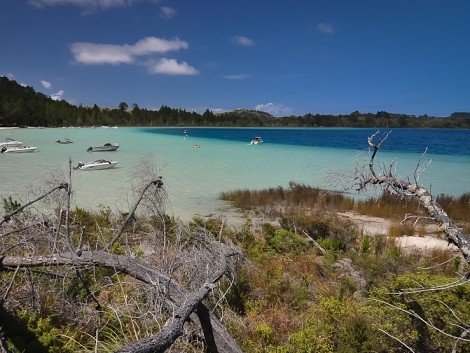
x: 297, y: 195
x: 458, y: 208
x: 309, y: 199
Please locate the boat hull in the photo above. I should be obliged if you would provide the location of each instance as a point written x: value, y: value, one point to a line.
x: 96, y: 165
x: 18, y: 149
x: 105, y: 148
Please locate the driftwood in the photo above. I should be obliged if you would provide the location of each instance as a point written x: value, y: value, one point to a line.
x: 190, y: 305
x: 146, y: 273
x: 455, y: 235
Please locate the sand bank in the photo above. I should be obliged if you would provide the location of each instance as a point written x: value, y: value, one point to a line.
x: 380, y: 226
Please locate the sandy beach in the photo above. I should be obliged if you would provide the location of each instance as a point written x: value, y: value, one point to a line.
x: 379, y: 226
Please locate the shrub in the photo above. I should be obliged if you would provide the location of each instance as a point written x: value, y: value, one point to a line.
x: 10, y: 205
x: 283, y: 241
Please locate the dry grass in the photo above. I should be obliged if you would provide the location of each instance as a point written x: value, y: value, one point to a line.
x: 398, y: 229
x: 281, y: 201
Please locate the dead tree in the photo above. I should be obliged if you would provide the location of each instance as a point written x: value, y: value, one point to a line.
x: 53, y: 244
x: 388, y: 180
x: 368, y: 176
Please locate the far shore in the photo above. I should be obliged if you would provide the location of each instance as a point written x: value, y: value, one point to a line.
x: 8, y: 127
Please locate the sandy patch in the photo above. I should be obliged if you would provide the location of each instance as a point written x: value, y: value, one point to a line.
x: 379, y: 226
x: 428, y: 242
x: 367, y: 224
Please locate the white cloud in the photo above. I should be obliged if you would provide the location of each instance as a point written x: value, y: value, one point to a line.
x: 90, y: 4
x: 236, y: 77
x: 95, y: 54
x: 275, y: 109
x: 58, y: 95
x: 46, y: 84
x: 168, y: 12
x: 246, y: 42
x: 151, y: 45
x: 171, y: 67
x: 324, y: 27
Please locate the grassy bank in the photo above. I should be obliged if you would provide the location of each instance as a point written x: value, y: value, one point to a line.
x: 309, y: 282
x: 303, y: 199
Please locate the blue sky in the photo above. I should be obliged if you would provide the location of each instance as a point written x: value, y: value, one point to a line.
x: 283, y: 57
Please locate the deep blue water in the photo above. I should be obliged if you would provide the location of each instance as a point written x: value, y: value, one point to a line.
x: 437, y: 141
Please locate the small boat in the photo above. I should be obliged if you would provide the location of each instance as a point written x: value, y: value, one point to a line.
x: 9, y: 142
x: 18, y: 149
x: 256, y: 141
x: 105, y: 148
x: 96, y: 165
x: 64, y: 141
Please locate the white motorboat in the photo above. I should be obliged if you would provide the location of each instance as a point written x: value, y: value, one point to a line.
x: 9, y: 142
x: 256, y: 141
x: 106, y: 147
x: 18, y: 149
x: 96, y: 165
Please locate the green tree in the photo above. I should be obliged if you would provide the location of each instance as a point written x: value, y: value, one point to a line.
x: 123, y: 106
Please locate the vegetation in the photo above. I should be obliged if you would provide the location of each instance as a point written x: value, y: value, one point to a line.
x: 311, y: 282
x: 22, y: 106
x: 296, y: 277
x: 308, y: 200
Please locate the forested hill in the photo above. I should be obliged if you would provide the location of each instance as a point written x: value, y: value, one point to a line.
x: 23, y: 106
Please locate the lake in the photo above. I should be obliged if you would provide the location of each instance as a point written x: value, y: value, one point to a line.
x: 225, y: 160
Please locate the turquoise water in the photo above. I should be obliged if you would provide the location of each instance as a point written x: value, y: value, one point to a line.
x: 194, y: 177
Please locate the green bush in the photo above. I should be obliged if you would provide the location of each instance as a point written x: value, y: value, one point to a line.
x: 10, y: 205
x: 283, y: 241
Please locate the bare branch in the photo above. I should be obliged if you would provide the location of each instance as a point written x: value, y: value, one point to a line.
x: 459, y: 282
x: 419, y: 168
x: 427, y: 323
x: 397, y: 339
x: 7, y: 217
x: 314, y: 242
x: 457, y: 341
x: 158, y: 183
x: 455, y: 235
x: 375, y: 147
x: 165, y: 338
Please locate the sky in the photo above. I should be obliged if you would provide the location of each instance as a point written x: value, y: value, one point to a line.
x: 282, y: 57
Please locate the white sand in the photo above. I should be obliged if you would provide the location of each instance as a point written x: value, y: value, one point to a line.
x: 379, y: 226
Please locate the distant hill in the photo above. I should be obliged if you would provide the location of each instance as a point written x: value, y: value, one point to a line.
x: 247, y: 113
x: 23, y: 106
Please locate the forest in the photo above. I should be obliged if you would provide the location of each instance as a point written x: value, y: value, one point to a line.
x: 296, y: 276
x: 23, y: 106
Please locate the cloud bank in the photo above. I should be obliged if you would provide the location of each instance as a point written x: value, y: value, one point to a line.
x: 112, y: 54
x: 90, y: 4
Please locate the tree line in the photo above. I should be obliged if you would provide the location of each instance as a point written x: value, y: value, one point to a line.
x: 23, y: 106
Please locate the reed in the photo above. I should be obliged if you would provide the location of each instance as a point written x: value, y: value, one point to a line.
x: 458, y: 208
x: 398, y: 229
x: 303, y: 199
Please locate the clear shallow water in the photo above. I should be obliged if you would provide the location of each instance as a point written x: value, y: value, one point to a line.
x: 225, y: 161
